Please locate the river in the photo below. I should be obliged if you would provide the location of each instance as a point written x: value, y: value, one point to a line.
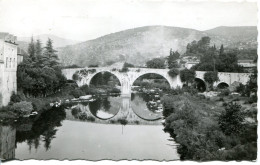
x: 108, y: 128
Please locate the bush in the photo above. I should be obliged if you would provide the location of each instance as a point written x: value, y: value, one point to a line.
x: 124, y: 69
x: 230, y: 121
x: 115, y: 90
x: 173, y: 72
x: 22, y: 108
x: 83, y: 116
x: 17, y: 97
x: 85, y: 89
x: 224, y: 92
x: 77, y: 93
x: 91, y: 118
x: 75, y: 112
x: 128, y: 65
x: 252, y: 99
x: 122, y: 121
x: 93, y: 66
x: 240, y: 88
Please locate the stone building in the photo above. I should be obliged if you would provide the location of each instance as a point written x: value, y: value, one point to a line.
x: 8, y: 67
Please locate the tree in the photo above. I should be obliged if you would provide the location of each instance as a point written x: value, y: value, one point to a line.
x: 172, y: 59
x: 211, y: 77
x: 221, y: 50
x: 50, y: 53
x: 128, y: 65
x: 158, y: 63
x: 38, y: 48
x: 251, y: 86
x: 173, y: 72
x: 187, y: 76
x: 230, y: 121
x: 22, y: 108
x: 31, y: 49
x: 40, y: 76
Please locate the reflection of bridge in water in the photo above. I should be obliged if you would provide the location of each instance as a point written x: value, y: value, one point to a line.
x: 125, y: 112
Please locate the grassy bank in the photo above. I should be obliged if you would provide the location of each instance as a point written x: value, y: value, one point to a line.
x: 196, y: 124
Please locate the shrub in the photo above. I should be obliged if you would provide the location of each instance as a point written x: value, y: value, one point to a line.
x: 93, y: 66
x: 122, y: 121
x: 75, y: 112
x: 211, y: 77
x: 128, y: 65
x: 252, y: 99
x: 173, y: 72
x: 83, y: 116
x: 17, y: 97
x: 224, y: 92
x: 176, y: 91
x: 124, y: 69
x: 190, y: 90
x: 85, y: 89
x: 230, y: 121
x: 22, y: 108
x: 115, y: 90
x: 77, y: 93
x: 240, y: 88
x: 91, y: 118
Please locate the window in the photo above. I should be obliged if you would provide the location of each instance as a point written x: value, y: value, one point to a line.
x: 14, y: 63
x: 6, y: 62
x: 10, y: 64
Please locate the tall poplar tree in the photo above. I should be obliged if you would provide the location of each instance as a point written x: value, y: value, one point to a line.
x: 31, y: 49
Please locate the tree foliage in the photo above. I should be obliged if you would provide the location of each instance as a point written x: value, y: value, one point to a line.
x: 230, y: 121
x: 22, y: 108
x: 211, y: 77
x: 212, y: 59
x: 172, y: 59
x: 157, y: 63
x: 173, y: 72
x: 187, y: 76
x: 40, y: 76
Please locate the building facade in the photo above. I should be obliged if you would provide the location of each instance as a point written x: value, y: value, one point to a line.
x: 8, y: 67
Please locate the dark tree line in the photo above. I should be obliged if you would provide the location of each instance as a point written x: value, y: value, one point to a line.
x: 213, y: 59
x: 40, y: 73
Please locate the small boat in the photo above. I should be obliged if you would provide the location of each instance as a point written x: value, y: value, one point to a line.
x: 33, y: 113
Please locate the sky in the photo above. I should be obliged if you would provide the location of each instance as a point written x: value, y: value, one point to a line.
x: 82, y: 20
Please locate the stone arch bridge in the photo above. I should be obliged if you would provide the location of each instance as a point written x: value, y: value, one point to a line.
x: 127, y: 79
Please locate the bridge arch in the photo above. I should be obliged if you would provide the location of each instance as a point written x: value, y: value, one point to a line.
x: 222, y: 85
x: 200, y: 84
x: 147, y: 73
x: 90, y: 77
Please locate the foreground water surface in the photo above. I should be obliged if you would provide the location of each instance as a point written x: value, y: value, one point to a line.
x: 108, y: 128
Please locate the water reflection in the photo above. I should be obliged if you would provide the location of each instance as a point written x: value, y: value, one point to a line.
x: 136, y: 109
x: 7, y: 142
x: 105, y: 107
x: 54, y: 134
x: 42, y: 128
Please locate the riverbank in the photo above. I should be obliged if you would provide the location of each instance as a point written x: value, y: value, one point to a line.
x: 20, y: 105
x: 195, y: 123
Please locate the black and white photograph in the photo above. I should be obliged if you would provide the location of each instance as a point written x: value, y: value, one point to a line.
x: 123, y: 80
